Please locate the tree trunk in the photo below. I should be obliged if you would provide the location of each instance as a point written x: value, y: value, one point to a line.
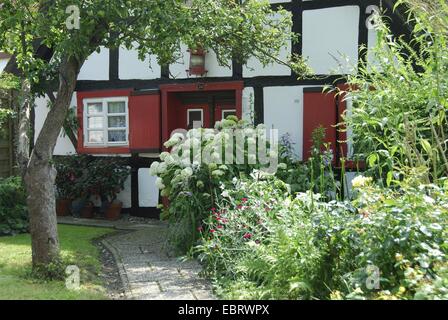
x: 24, y: 103
x: 41, y: 174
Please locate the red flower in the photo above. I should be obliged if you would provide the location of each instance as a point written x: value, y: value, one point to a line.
x: 213, y: 209
x: 239, y: 207
x: 212, y: 230
x: 247, y: 235
x: 219, y: 226
x: 244, y: 200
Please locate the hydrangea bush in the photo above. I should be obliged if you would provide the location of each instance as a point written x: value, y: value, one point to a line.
x: 192, y: 180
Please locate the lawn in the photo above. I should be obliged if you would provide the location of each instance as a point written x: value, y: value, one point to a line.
x: 76, y: 247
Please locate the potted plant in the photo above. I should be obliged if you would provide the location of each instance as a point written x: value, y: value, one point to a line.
x: 110, y: 175
x: 67, y: 173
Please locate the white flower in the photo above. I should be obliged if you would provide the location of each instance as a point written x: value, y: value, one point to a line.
x: 175, y: 139
x: 218, y: 125
x: 153, y: 169
x: 361, y: 181
x: 187, y: 172
x: 251, y: 141
x: 161, y: 168
x: 252, y: 158
x: 282, y: 166
x: 225, y: 194
x: 163, y: 155
x: 159, y: 183
x: 217, y: 173
x: 261, y: 126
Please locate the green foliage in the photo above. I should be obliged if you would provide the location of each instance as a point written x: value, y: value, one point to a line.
x: 193, y: 188
x: 263, y: 243
x: 83, y: 176
x: 13, y: 210
x: 399, y: 118
x: 232, y: 29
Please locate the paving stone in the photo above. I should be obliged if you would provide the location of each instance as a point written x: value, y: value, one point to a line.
x: 151, y: 273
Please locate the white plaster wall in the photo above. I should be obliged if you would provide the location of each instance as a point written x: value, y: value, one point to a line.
x: 131, y: 67
x: 213, y: 68
x: 330, y: 36
x: 247, y: 106
x: 125, y: 195
x: 96, y: 66
x: 283, y: 110
x: 148, y: 193
x: 3, y: 63
x: 372, y: 42
x: 179, y: 69
x: 254, y: 68
x: 63, y: 145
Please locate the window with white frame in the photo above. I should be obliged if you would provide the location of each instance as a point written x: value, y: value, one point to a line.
x: 106, y: 122
x: 195, y: 118
x: 228, y: 112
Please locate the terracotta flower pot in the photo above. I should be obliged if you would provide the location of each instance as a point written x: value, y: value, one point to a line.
x: 113, y: 211
x: 63, y: 207
x: 87, y: 211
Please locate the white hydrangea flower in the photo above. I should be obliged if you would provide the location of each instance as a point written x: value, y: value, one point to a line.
x: 187, y: 172
x: 251, y: 141
x: 218, y: 125
x: 163, y: 155
x: 175, y: 139
x: 154, y: 168
x: 218, y: 173
x: 261, y: 126
x: 161, y: 168
x: 282, y: 166
x: 159, y: 183
x: 216, y: 156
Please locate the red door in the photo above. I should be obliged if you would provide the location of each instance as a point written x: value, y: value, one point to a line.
x: 193, y: 116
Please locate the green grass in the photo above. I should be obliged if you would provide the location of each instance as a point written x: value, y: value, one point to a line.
x: 76, y: 248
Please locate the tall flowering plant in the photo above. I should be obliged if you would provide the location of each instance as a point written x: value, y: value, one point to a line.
x: 199, y: 163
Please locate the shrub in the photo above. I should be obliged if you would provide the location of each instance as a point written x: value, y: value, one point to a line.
x: 194, y: 187
x: 13, y: 210
x: 263, y: 243
x: 399, y: 116
x: 80, y: 176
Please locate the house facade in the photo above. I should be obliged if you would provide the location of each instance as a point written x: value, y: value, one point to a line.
x: 128, y: 108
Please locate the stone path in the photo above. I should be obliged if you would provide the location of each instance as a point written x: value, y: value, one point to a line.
x: 146, y: 270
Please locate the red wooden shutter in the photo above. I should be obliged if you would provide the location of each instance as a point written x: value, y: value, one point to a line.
x: 144, y: 122
x: 319, y: 109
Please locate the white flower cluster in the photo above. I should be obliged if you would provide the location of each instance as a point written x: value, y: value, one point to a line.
x: 361, y: 181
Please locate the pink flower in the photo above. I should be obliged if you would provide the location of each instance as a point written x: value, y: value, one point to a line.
x: 219, y: 226
x: 244, y: 200
x: 212, y: 230
x: 200, y: 229
x: 247, y: 235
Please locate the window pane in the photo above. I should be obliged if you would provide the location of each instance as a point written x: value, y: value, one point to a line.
x: 194, y: 117
x: 96, y: 136
x: 117, y: 136
x: 227, y: 113
x: 94, y: 108
x: 95, y: 123
x: 116, y: 107
x: 117, y: 122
